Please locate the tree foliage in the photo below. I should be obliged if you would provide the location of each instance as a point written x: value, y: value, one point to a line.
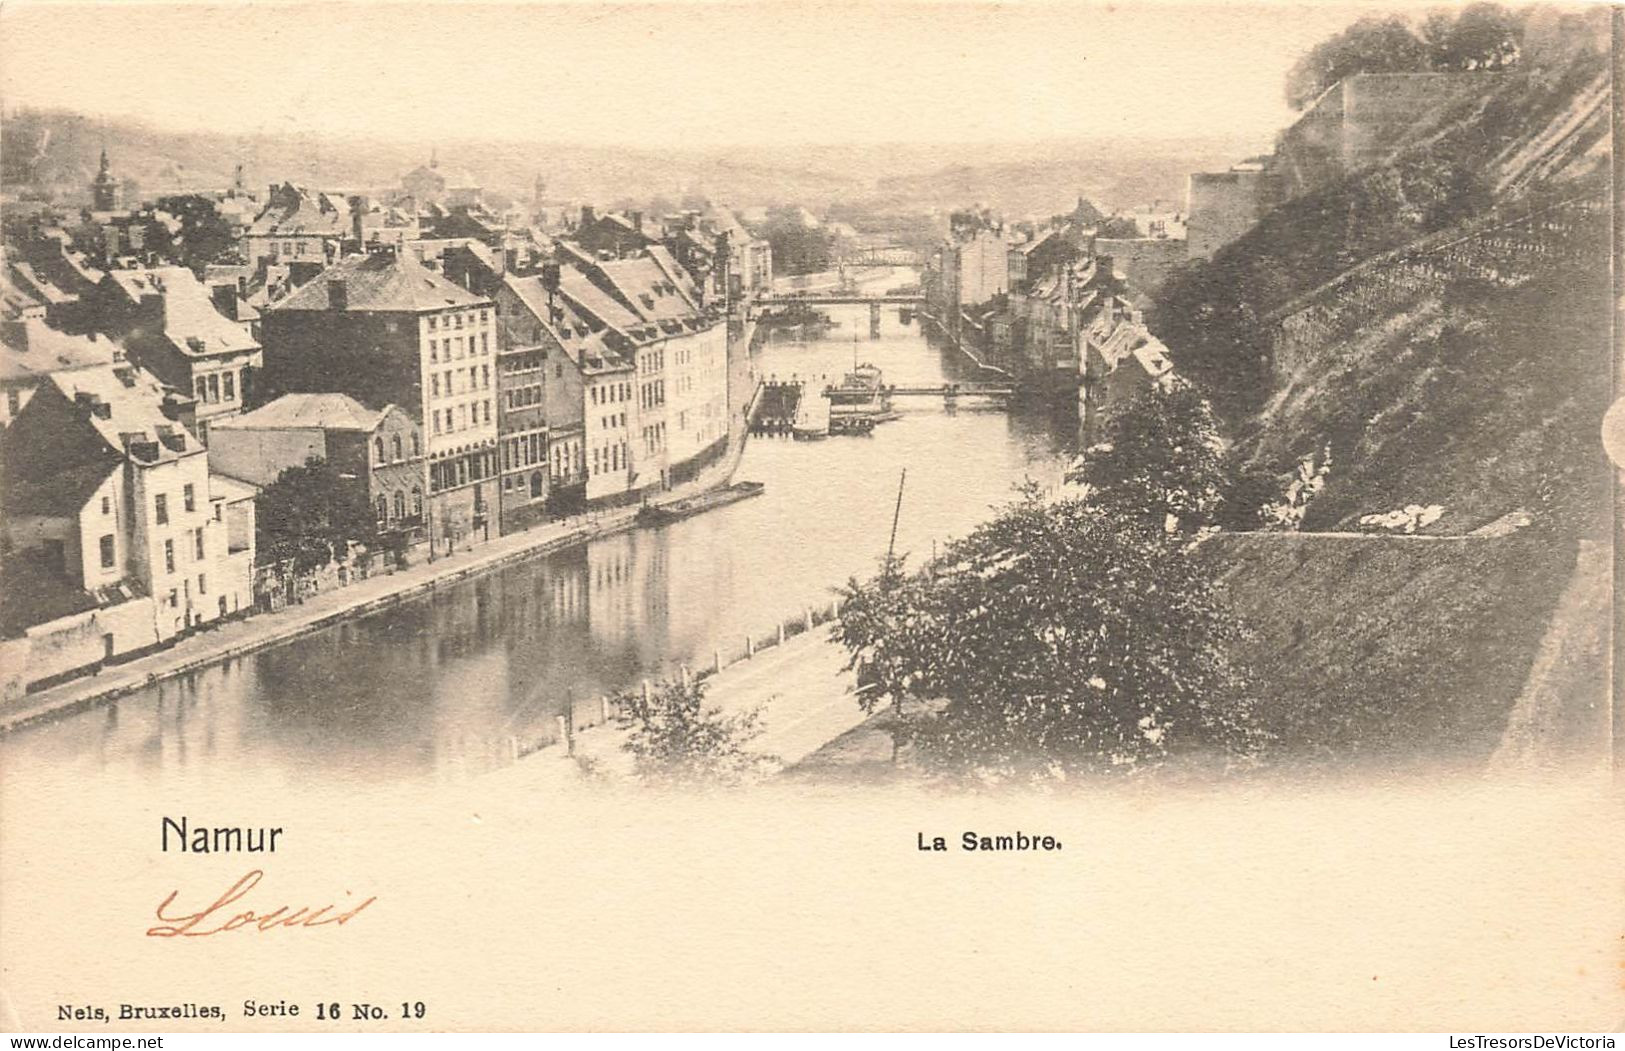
x: 1058, y: 636
x: 1159, y: 458
x: 674, y: 738
x: 311, y: 515
x: 1482, y: 36
x: 204, y: 236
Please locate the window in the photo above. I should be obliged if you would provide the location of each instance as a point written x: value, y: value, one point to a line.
x: 202, y: 584
x: 169, y: 556
x: 107, y: 505
x: 160, y: 508
x: 228, y: 386
x: 484, y: 317
x: 459, y: 323
x: 202, y: 389
x: 197, y: 542
x: 400, y: 504
x: 434, y: 347
x: 395, y: 448
x: 485, y: 343
x: 417, y: 444
x: 417, y: 501
x: 107, y: 551
x: 485, y: 376
x: 378, y: 449
x: 437, y: 421
x: 383, y: 508
x: 174, y: 598
x: 487, y: 406
x: 433, y: 322
x: 14, y: 401
x: 188, y: 497
x: 434, y: 385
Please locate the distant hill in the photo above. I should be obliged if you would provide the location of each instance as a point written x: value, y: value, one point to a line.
x: 57, y: 151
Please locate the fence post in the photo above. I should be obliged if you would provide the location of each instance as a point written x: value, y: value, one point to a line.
x: 603, y: 708
x: 750, y: 647
x: 565, y: 736
x: 716, y: 661
x: 781, y: 633
x: 806, y: 617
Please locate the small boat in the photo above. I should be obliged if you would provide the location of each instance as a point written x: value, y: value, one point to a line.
x: 661, y: 514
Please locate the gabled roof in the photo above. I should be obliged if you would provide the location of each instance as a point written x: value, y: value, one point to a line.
x: 192, y: 324
x: 381, y: 281
x: 584, y: 341
x: 328, y: 412
x: 133, y: 413
x: 295, y: 211
x: 31, y: 348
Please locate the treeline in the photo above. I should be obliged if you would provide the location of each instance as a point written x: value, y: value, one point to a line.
x: 1482, y: 36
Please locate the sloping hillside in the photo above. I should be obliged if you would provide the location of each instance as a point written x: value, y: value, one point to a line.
x: 1441, y: 324
x: 1440, y: 321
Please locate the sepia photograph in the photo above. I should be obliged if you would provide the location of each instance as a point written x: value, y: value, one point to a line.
x: 809, y: 516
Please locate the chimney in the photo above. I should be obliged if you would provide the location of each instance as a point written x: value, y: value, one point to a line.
x: 338, y: 294
x: 586, y: 214
x: 637, y: 221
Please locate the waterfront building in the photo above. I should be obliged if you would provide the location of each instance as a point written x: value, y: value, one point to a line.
x: 695, y: 239
x: 168, y: 323
x: 117, y: 537
x: 389, y: 331
x: 626, y: 350
x: 1119, y: 357
x: 378, y: 452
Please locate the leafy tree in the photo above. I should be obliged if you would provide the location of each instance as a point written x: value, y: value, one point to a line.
x: 1482, y: 36
x: 675, y: 739
x: 204, y: 236
x: 311, y: 514
x: 797, y: 248
x: 1160, y: 457
x: 1371, y: 45
x: 1058, y: 636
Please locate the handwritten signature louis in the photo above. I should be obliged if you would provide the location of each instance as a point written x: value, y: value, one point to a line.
x: 218, y: 917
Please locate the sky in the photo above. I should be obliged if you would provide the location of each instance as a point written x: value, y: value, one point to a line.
x: 670, y: 74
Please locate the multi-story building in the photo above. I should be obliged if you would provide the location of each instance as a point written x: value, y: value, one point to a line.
x: 1118, y: 357
x: 168, y: 323
x: 378, y: 451
x: 117, y: 537
x: 300, y: 225
x: 386, y: 330
x: 628, y: 352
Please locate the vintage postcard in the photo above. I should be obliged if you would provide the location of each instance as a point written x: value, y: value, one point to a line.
x: 809, y: 516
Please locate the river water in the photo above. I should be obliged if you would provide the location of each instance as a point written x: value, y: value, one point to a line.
x: 434, y: 688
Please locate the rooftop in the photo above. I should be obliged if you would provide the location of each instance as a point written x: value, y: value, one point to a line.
x: 380, y: 281
x: 328, y: 412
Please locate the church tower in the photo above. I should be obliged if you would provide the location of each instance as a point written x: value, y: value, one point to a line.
x: 105, y: 193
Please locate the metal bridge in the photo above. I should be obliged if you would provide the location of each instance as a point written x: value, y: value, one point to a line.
x: 816, y: 299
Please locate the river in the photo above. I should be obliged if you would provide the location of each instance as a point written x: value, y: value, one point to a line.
x: 434, y: 688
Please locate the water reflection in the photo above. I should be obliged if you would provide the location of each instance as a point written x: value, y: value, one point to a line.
x: 435, y: 687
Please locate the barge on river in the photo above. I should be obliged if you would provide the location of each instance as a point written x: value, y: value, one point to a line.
x: 661, y: 514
